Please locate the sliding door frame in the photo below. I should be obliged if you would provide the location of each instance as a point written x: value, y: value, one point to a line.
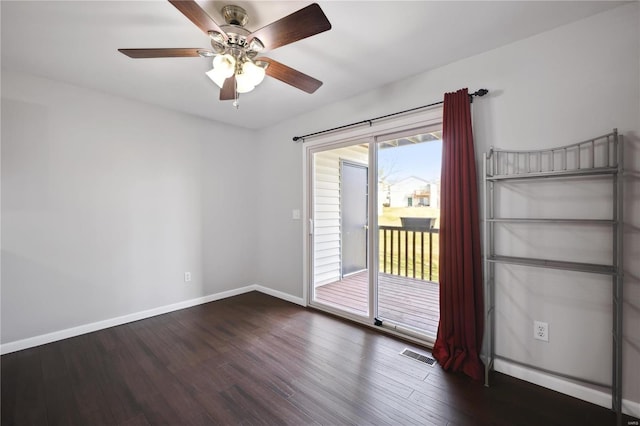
x: 308, y: 211
x: 366, y: 134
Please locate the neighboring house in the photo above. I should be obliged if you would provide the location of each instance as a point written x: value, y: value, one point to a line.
x: 412, y: 192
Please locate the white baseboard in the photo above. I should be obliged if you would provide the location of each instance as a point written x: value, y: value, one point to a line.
x: 280, y: 295
x: 42, y: 339
x: 564, y: 386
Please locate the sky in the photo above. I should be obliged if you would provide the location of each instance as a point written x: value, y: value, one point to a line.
x: 421, y: 160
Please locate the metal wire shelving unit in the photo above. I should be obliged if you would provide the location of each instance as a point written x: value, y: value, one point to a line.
x: 597, y: 158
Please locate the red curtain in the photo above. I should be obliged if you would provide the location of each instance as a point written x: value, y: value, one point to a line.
x: 459, y: 340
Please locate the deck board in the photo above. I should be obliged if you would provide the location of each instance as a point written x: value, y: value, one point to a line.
x: 403, y: 300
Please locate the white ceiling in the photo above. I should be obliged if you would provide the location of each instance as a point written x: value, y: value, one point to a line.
x: 371, y: 43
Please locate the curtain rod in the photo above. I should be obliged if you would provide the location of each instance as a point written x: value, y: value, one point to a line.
x: 478, y: 93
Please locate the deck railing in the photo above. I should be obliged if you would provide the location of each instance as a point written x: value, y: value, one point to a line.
x: 409, y: 252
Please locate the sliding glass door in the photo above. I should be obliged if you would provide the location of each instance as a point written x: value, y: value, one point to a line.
x: 373, y: 209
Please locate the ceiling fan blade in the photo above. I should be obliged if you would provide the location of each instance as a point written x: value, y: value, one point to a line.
x: 228, y: 91
x: 290, y: 76
x: 165, y: 53
x: 194, y: 12
x: 304, y: 23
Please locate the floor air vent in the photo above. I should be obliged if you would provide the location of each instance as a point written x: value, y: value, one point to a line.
x: 418, y: 357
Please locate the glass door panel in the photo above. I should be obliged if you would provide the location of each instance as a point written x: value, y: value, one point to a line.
x: 408, y: 172
x: 339, y: 213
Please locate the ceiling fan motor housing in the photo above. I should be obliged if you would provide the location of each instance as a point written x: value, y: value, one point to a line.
x: 236, y: 42
x: 235, y: 15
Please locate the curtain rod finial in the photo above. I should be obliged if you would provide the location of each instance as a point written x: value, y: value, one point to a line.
x: 479, y: 93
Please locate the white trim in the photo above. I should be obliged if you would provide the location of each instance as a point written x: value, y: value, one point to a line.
x: 367, y: 322
x: 42, y: 339
x: 280, y: 295
x: 306, y: 228
x: 564, y: 386
x: 373, y: 237
x: 343, y: 138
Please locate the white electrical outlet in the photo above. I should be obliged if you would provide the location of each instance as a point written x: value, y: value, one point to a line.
x: 541, y: 331
x: 187, y: 277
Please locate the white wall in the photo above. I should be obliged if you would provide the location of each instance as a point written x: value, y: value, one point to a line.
x: 560, y: 87
x: 107, y: 202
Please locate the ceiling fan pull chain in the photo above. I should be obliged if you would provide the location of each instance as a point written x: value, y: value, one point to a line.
x: 236, y: 103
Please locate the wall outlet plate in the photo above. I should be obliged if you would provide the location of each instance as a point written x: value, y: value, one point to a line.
x: 541, y: 331
x: 187, y: 277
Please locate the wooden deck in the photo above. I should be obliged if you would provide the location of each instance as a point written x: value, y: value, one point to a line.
x: 402, y: 300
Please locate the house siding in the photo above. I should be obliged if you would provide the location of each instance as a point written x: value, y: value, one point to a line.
x: 327, y: 260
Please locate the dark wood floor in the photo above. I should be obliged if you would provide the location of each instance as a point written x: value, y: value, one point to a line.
x: 406, y: 301
x: 256, y: 360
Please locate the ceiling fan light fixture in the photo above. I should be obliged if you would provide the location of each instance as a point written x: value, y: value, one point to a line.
x: 244, y: 83
x: 225, y: 65
x: 253, y: 72
x: 216, y: 77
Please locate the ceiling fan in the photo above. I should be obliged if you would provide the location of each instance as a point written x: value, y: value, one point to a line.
x: 237, y: 68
